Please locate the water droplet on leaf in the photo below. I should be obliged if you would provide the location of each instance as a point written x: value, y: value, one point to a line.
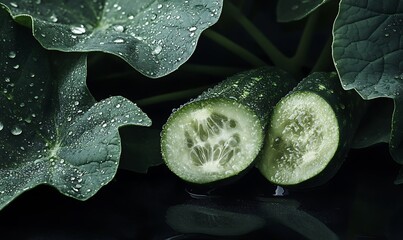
x: 78, y: 29
x: 119, y: 28
x: 16, y: 131
x: 12, y: 54
x: 53, y: 18
x: 119, y: 40
x: 157, y: 50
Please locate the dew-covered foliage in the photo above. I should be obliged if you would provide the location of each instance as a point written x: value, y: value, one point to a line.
x: 154, y: 37
x: 368, y: 50
x: 52, y: 130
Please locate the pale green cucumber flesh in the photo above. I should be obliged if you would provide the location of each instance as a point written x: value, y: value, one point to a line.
x: 302, y: 139
x: 211, y: 140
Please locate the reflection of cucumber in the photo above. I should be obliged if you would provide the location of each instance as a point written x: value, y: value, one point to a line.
x: 270, y: 218
x: 290, y: 215
x: 219, y: 134
x: 312, y: 125
x: 188, y: 218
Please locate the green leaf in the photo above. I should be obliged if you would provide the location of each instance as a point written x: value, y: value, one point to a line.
x: 375, y: 126
x: 293, y: 10
x: 52, y: 130
x: 368, y: 50
x: 154, y: 37
x: 368, y: 47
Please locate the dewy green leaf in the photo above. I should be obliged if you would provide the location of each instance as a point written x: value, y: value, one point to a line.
x: 368, y: 54
x: 292, y: 10
x: 51, y: 129
x: 153, y: 36
x: 368, y: 46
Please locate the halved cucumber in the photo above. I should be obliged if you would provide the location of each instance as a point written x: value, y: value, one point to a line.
x: 219, y: 134
x: 310, y: 130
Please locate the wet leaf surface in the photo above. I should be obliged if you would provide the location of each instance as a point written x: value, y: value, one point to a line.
x: 368, y: 50
x: 52, y: 130
x: 154, y: 37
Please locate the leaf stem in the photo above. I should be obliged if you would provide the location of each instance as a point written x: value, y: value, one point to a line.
x: 303, y: 49
x: 324, y: 60
x: 171, y: 96
x: 240, y: 3
x: 275, y: 55
x: 210, y: 70
x: 116, y: 75
x: 234, y: 47
x: 187, y: 67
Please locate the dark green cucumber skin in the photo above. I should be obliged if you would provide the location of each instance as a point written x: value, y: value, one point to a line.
x: 328, y: 86
x: 266, y: 86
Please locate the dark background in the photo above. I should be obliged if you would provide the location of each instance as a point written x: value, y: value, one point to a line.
x: 360, y: 202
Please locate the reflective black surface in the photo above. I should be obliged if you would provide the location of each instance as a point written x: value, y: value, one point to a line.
x: 361, y: 202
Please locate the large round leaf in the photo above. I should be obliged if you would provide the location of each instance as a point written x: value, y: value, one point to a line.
x: 155, y: 37
x: 368, y: 47
x: 51, y: 129
x: 368, y: 54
